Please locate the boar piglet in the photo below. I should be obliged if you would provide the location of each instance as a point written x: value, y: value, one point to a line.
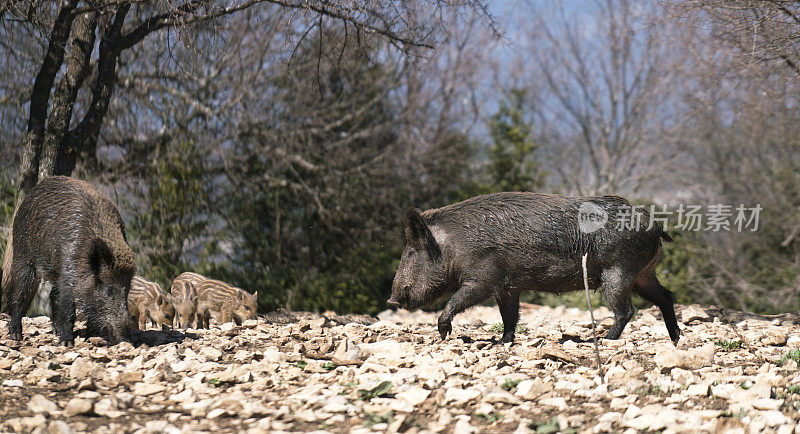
x: 68, y: 233
x: 227, y: 303
x: 148, y: 302
x: 501, y: 244
x: 184, y: 295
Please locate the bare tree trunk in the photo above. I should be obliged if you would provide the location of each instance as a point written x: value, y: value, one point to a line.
x: 40, y: 97
x: 58, y: 152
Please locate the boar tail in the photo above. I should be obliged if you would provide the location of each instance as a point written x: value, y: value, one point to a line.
x: 666, y: 237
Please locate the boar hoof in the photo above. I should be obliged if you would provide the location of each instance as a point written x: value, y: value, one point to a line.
x: 445, y: 328
x: 17, y: 336
x: 67, y: 343
x: 507, y: 338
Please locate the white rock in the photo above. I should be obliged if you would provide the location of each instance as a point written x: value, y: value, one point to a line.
x: 694, y: 312
x: 532, y: 389
x: 767, y: 404
x: 58, y: 427
x: 700, y: 389
x: 557, y: 402
x: 723, y: 390
x: 347, y: 350
x: 775, y: 338
x: 632, y: 412
x: 414, y: 395
x: 668, y: 357
x: 105, y: 407
x: 13, y: 382
x: 645, y: 422
x: 210, y: 353
x: 500, y: 396
x: 40, y: 404
x: 463, y: 426
x: 683, y: 376
x: 335, y: 404
x: 146, y: 389
x: 217, y: 412
x: 78, y: 406
x: 774, y: 418
x: 619, y: 403
x: 83, y: 368
x: 460, y: 396
x: 387, y: 349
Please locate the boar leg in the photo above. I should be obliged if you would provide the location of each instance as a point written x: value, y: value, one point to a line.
x: 470, y: 294
x: 203, y: 318
x: 21, y: 288
x: 616, y: 288
x: 62, y: 305
x: 142, y: 320
x: 225, y: 316
x: 653, y: 291
x: 508, y: 302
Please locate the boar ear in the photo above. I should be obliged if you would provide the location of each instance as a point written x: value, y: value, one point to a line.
x: 160, y: 300
x: 419, y: 235
x: 99, y: 256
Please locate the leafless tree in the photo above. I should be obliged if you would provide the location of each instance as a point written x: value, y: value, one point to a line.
x: 56, y: 134
x: 601, y: 74
x: 762, y: 31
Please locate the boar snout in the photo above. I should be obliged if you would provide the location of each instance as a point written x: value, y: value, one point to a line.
x: 392, y: 302
x: 126, y: 330
x: 399, y: 298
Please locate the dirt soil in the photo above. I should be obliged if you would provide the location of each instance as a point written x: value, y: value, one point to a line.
x: 731, y: 372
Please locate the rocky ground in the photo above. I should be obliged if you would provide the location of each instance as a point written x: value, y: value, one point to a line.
x: 731, y: 372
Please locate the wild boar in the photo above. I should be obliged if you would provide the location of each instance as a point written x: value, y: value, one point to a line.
x: 148, y: 302
x: 498, y: 245
x: 68, y: 233
x: 226, y: 302
x: 184, y: 295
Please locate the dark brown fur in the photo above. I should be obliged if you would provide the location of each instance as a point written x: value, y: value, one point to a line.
x: 148, y: 302
x: 225, y: 302
x: 68, y: 233
x: 498, y: 245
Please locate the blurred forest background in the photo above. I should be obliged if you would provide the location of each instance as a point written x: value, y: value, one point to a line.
x: 276, y: 144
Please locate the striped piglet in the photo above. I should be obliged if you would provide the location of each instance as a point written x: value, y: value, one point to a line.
x: 184, y: 295
x: 225, y: 302
x: 147, y: 302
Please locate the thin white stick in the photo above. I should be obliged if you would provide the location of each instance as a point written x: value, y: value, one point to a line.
x: 591, y: 314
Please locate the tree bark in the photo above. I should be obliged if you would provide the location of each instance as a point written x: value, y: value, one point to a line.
x: 84, y: 137
x: 40, y: 96
x: 57, y: 150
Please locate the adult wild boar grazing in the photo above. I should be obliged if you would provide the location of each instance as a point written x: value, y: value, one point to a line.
x: 148, y: 302
x: 226, y: 302
x: 498, y: 245
x: 184, y: 295
x: 68, y: 233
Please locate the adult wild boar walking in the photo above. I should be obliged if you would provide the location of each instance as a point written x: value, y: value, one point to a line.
x: 498, y: 245
x: 68, y: 233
